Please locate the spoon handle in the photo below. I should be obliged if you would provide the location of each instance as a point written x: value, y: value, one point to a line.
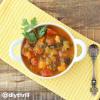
x: 93, y: 89
x: 93, y: 73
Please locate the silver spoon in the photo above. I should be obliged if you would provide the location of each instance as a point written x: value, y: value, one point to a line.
x: 93, y: 52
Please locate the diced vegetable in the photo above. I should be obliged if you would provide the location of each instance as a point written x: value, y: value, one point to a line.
x: 65, y: 46
x: 46, y: 72
x: 57, y: 39
x: 50, y: 32
x: 39, y: 43
x: 53, y: 58
x: 54, y: 52
x: 28, y: 55
x: 34, y: 61
x: 62, y: 67
x: 42, y: 39
x: 47, y: 50
x: 40, y: 51
x: 50, y: 41
x: 42, y: 64
x: 33, y: 54
x: 60, y: 53
x: 63, y: 54
x: 54, y: 66
x: 48, y: 61
x: 68, y: 61
x: 62, y: 60
x: 49, y: 67
x: 25, y: 48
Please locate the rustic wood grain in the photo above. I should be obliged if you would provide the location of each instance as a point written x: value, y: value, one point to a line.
x: 81, y: 15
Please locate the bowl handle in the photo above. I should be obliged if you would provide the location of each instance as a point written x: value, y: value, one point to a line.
x: 84, y: 50
x: 11, y: 50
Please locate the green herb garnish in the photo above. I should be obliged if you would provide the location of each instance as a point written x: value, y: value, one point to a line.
x: 33, y: 22
x: 25, y: 22
x: 41, y: 31
x: 29, y: 26
x: 29, y: 34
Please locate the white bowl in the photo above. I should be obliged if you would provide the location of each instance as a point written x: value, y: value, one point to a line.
x: 75, y: 58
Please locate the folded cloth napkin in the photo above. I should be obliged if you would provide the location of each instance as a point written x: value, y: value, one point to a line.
x: 74, y: 85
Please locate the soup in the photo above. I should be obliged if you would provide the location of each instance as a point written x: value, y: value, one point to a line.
x: 51, y: 54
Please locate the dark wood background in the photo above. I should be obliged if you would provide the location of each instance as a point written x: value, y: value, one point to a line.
x: 81, y: 15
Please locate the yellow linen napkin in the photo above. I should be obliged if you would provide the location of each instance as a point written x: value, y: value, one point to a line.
x: 74, y: 85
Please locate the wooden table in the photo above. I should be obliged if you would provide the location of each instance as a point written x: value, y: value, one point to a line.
x: 81, y: 15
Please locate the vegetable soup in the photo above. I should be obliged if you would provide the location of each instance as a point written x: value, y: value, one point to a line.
x: 50, y: 54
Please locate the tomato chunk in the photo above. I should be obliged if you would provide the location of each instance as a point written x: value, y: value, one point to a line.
x: 46, y: 72
x: 34, y: 61
x: 50, y: 32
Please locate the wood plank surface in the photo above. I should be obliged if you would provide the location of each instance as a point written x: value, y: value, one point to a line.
x: 81, y: 15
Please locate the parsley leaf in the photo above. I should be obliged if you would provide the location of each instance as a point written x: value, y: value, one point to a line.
x: 25, y: 22
x: 41, y: 31
x: 29, y: 26
x: 30, y: 36
x: 34, y: 22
